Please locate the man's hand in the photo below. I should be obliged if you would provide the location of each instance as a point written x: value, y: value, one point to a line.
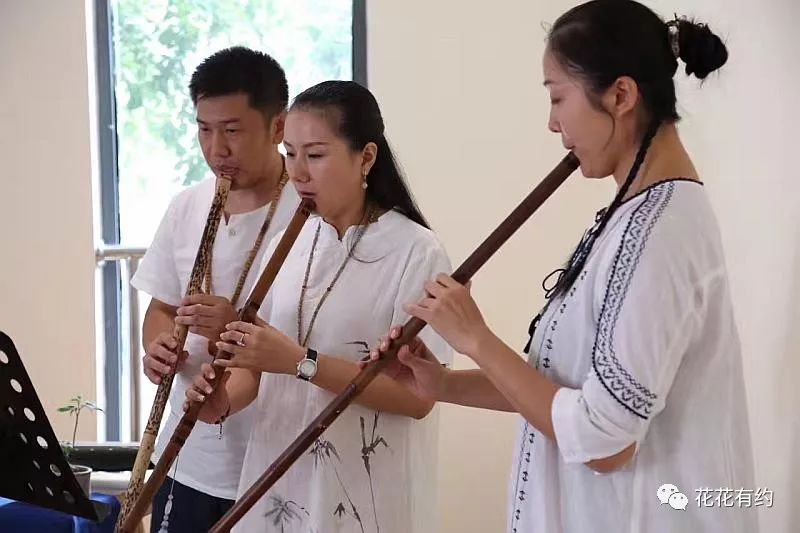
x: 206, y: 315
x: 160, y: 360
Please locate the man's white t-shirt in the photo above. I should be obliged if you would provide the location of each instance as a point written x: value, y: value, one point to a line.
x: 206, y: 463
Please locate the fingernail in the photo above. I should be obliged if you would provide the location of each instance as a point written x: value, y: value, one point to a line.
x: 208, y: 390
x: 211, y: 375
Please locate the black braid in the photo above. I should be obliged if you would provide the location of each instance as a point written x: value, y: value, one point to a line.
x: 578, y: 258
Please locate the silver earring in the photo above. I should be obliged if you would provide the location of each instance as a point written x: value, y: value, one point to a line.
x: 364, y: 183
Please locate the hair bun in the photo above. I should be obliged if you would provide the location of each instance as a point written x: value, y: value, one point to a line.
x: 701, y: 50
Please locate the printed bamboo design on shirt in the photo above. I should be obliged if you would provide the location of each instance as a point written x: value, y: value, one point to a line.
x: 366, y: 451
x: 324, y: 452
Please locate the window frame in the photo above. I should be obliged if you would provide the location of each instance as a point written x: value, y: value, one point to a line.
x: 110, y: 271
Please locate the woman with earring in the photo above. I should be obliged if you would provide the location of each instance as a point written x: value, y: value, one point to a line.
x: 364, y: 253
x: 631, y: 401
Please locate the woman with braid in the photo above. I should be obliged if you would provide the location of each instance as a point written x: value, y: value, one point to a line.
x: 632, y: 397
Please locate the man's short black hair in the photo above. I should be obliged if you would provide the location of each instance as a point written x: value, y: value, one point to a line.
x: 242, y: 70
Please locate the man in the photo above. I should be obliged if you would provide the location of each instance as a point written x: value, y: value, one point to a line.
x: 240, y: 97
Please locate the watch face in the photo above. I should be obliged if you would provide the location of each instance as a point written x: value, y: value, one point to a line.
x: 307, y: 368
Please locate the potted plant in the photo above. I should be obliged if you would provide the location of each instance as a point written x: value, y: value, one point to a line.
x: 74, y: 407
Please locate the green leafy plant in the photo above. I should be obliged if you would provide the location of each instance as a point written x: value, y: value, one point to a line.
x: 74, y: 407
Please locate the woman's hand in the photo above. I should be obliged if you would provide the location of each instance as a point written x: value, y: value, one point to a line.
x: 260, y: 348
x: 450, y: 310
x: 415, y: 368
x: 216, y: 404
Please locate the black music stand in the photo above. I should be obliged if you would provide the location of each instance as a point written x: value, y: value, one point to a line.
x: 34, y: 469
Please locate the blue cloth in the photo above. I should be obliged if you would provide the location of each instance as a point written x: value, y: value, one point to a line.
x: 26, y: 518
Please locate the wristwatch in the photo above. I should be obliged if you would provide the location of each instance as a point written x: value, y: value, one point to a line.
x: 307, y: 367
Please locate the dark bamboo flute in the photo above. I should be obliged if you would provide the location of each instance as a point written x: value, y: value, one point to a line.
x: 476, y: 260
x: 246, y: 314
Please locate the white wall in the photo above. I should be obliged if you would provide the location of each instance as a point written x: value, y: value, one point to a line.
x: 46, y: 234
x: 460, y: 88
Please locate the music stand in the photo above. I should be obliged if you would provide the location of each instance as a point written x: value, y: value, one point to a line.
x: 34, y: 468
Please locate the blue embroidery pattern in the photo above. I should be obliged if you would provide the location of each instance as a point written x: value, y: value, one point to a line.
x: 619, y: 382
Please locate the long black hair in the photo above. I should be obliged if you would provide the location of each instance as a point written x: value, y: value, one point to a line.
x: 602, y: 40
x: 356, y: 117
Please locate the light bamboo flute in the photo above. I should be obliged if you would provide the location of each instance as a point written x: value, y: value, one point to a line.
x: 467, y: 269
x: 180, y: 332
x: 246, y: 314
